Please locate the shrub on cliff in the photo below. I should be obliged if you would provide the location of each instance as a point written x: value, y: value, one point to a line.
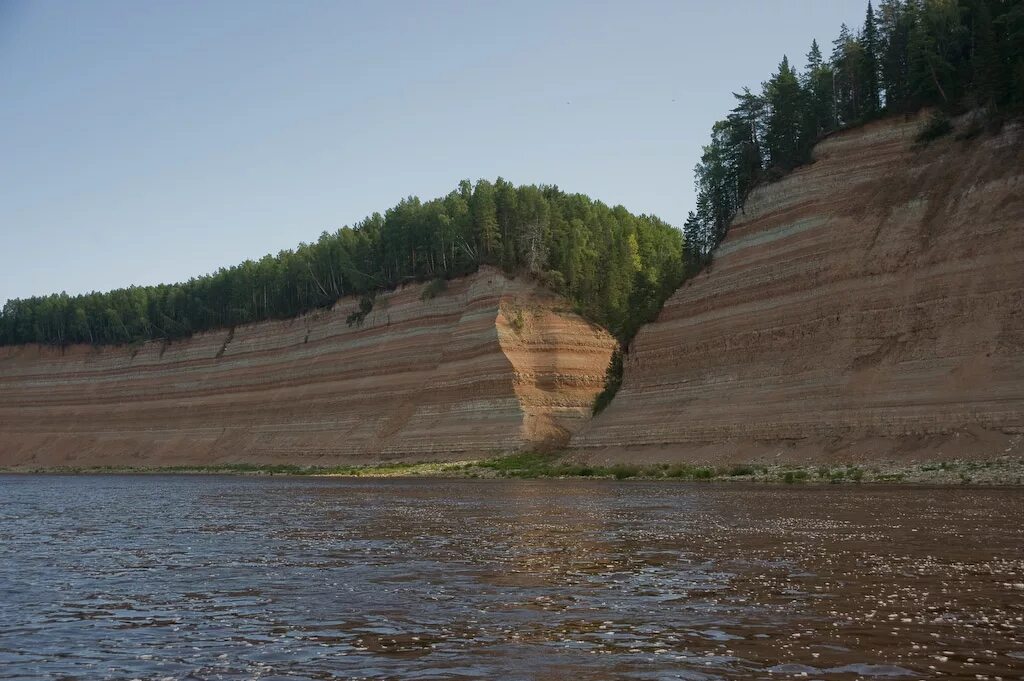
x: 612, y: 382
x: 938, y: 125
x: 434, y: 289
x: 358, y: 316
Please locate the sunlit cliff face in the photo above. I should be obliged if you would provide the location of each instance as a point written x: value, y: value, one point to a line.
x: 443, y: 378
x: 868, y: 305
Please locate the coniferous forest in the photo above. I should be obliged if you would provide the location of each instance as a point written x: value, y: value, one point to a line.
x: 953, y: 55
x: 618, y: 268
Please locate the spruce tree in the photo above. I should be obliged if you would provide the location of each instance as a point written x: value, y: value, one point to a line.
x: 783, y: 95
x: 870, y: 104
x: 819, y: 97
x: 984, y: 55
x: 894, y: 21
x: 744, y: 132
x: 846, y: 64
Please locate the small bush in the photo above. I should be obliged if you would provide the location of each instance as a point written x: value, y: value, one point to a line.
x: 703, y: 474
x: 435, y: 288
x: 973, y: 129
x: 678, y: 471
x: 517, y: 321
x: 623, y: 471
x: 775, y: 173
x: 612, y: 383
x: 737, y: 471
x: 357, y: 317
x: 938, y: 125
x: 573, y: 470
x: 521, y: 465
x: 552, y: 279
x: 795, y: 476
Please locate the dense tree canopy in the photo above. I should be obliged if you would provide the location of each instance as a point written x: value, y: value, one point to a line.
x: 617, y: 267
x: 951, y: 54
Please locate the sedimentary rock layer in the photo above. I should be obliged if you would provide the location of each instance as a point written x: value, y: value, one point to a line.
x: 869, y: 305
x: 490, y: 365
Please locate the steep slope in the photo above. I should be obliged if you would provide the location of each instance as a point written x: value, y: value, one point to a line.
x: 444, y: 378
x: 869, y: 305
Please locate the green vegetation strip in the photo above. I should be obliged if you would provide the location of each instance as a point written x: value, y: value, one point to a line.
x: 532, y: 465
x: 614, y: 268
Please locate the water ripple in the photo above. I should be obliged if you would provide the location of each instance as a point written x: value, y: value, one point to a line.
x: 207, y: 577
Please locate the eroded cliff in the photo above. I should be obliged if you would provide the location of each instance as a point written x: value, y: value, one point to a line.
x: 489, y: 365
x: 869, y: 305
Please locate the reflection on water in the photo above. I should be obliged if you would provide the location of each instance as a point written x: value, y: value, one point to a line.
x: 239, y: 578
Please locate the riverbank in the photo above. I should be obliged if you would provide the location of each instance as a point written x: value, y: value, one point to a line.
x: 1005, y: 471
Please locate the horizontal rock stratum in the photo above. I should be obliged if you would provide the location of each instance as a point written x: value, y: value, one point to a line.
x: 869, y: 305
x: 489, y: 365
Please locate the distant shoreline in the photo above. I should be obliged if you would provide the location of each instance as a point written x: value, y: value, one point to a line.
x: 1003, y: 472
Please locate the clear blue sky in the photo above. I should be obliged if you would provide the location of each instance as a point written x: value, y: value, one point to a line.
x: 146, y: 142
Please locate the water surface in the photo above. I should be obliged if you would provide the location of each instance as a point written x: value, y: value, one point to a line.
x: 210, y: 577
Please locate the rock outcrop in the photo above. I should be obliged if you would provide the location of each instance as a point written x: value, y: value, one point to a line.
x: 489, y: 365
x: 868, y: 305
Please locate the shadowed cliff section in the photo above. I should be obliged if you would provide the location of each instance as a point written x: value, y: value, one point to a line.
x: 445, y: 377
x: 868, y: 306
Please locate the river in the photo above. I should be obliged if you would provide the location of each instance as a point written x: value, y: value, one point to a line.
x: 220, y: 577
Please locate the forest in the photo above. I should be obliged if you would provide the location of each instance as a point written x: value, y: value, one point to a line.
x: 951, y: 55
x: 616, y: 267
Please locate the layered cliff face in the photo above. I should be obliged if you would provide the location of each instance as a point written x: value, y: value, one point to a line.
x: 869, y: 305
x: 489, y: 365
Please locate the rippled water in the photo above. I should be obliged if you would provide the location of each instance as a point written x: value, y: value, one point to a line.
x: 237, y: 578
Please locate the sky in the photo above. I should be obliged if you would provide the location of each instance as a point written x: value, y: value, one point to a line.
x: 148, y: 142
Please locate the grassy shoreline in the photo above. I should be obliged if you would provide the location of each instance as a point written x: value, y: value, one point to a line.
x: 1002, y: 472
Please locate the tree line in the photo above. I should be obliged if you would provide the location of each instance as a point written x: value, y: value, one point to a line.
x: 951, y: 54
x: 615, y: 266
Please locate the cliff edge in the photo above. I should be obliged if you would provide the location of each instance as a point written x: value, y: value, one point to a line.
x: 868, y: 306
x: 491, y: 364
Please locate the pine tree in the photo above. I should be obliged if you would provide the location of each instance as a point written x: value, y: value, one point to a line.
x: 894, y: 21
x: 870, y: 104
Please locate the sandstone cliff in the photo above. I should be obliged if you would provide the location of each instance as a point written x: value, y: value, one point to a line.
x: 869, y: 305
x: 489, y: 365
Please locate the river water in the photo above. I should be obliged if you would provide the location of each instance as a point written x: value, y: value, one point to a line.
x: 210, y: 577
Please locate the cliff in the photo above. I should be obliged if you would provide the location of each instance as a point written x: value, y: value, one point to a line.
x: 489, y: 365
x: 869, y: 305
